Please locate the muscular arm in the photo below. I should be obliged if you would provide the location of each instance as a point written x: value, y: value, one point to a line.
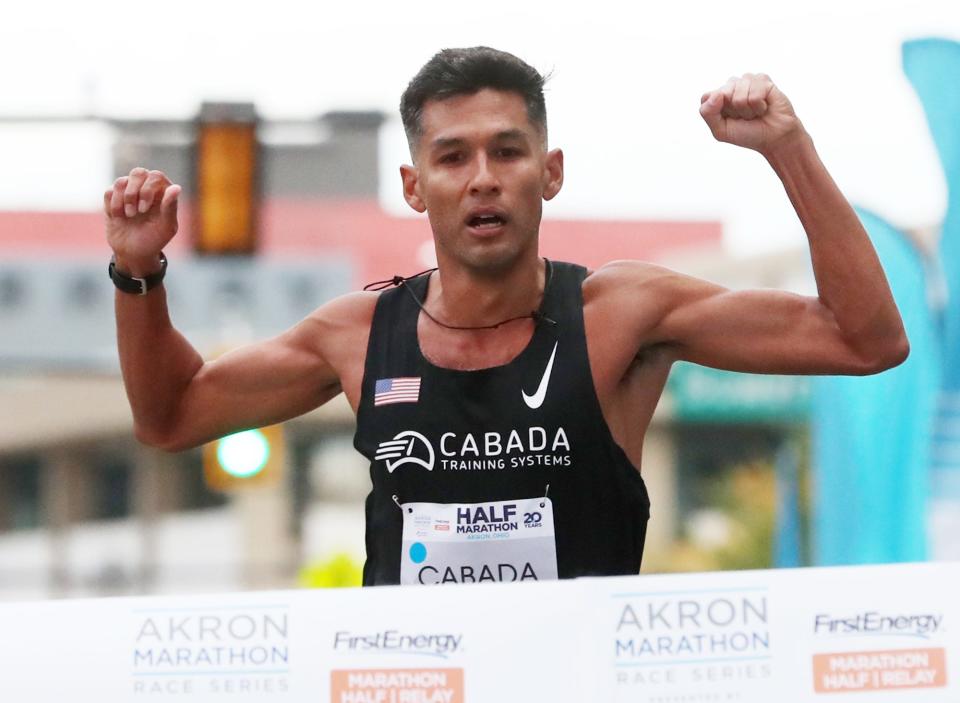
x: 851, y: 327
x: 177, y: 399
x: 852, y: 288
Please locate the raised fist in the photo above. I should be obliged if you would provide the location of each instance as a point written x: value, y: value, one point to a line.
x: 750, y: 111
x: 141, y: 212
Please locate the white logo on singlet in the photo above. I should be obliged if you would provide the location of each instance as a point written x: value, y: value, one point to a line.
x: 536, y: 400
x: 401, y: 449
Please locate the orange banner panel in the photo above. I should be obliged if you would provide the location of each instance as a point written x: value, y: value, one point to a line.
x: 886, y: 670
x: 396, y: 686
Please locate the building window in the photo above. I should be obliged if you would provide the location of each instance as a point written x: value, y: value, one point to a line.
x: 20, y: 493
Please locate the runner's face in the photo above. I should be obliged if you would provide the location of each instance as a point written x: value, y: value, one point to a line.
x: 482, y: 174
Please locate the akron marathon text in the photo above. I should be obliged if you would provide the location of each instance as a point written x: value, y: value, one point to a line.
x: 672, y: 629
x: 197, y: 641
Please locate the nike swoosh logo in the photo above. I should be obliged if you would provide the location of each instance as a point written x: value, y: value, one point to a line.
x: 536, y: 400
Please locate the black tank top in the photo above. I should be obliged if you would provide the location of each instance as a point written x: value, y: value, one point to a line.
x: 497, y: 434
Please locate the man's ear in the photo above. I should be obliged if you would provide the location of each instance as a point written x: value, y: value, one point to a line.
x: 411, y: 190
x: 552, y: 174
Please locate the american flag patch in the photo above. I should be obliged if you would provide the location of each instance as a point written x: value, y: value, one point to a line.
x: 396, y: 390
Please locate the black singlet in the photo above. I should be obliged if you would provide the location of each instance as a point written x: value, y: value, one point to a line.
x: 600, y: 503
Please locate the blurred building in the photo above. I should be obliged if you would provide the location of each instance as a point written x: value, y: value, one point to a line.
x: 85, y: 510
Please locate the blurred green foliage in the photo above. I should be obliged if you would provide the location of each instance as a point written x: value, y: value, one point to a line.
x: 745, y: 501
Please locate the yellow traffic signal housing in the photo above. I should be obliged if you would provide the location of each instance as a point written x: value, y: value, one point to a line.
x: 245, y: 459
x: 226, y: 175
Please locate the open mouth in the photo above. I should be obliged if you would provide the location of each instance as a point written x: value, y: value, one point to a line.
x: 486, y: 221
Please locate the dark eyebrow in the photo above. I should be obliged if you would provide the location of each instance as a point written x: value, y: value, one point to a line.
x: 448, y: 142
x: 510, y: 134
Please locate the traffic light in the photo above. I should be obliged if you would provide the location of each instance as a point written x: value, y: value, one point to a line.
x: 250, y: 458
x: 226, y: 164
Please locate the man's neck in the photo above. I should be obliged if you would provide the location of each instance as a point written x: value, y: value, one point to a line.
x: 464, y: 297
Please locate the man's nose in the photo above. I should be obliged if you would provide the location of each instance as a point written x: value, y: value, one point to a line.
x: 484, y: 178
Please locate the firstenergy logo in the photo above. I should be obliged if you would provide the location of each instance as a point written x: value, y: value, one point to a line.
x: 394, y: 641
x: 874, y: 623
x: 400, y: 450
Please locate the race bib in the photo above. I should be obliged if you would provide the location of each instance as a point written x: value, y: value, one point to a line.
x: 510, y: 540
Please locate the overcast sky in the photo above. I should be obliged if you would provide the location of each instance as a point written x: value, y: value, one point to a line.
x: 622, y: 103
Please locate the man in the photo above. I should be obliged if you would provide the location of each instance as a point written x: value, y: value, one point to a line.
x: 505, y: 444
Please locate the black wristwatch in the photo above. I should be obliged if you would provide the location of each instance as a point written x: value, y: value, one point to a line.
x: 132, y: 284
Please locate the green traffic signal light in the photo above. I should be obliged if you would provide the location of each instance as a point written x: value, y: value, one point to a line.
x: 243, y: 454
x: 255, y: 457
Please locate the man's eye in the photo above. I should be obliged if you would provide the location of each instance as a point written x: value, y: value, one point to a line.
x: 508, y: 152
x: 450, y: 158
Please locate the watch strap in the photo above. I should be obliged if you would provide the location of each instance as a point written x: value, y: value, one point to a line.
x: 134, y: 284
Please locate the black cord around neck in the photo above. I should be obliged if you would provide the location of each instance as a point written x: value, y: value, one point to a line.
x: 535, y: 315
x: 395, y: 281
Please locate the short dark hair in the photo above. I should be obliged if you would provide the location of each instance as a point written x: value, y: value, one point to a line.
x: 465, y: 71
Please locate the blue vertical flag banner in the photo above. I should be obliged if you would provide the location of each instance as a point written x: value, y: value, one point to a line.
x: 871, y: 434
x: 932, y: 67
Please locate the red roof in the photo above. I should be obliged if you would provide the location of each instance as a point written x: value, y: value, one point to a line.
x: 379, y: 244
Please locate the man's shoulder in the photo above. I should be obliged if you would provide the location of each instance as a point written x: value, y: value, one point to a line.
x: 625, y: 277
x: 345, y: 312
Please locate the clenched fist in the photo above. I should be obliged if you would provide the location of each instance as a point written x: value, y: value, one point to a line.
x: 751, y: 112
x: 141, y: 211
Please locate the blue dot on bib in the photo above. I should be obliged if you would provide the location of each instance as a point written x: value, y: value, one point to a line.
x: 418, y: 552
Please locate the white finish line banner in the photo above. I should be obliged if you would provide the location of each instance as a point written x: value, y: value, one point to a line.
x: 878, y: 633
